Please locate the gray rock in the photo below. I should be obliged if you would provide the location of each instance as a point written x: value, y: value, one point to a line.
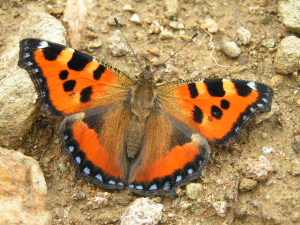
x: 288, y: 54
x: 18, y: 96
x: 247, y: 184
x: 142, y: 212
x: 231, y: 49
x: 290, y: 11
x: 23, y: 192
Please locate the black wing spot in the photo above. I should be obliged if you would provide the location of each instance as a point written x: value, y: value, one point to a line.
x: 215, y: 87
x: 63, y: 75
x: 216, y: 112
x: 193, y: 90
x: 85, y: 94
x: 225, y: 104
x: 242, y: 88
x: 52, y: 52
x: 69, y: 85
x: 198, y: 114
x: 98, y: 72
x: 79, y: 61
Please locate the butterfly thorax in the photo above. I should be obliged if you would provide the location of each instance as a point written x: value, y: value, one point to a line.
x: 142, y: 101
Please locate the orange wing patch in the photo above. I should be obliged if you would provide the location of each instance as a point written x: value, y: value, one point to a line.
x: 217, y: 108
x: 70, y: 81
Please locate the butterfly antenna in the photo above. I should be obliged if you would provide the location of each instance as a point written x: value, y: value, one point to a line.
x: 195, y: 35
x: 119, y: 26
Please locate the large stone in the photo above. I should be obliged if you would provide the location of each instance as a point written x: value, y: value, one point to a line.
x: 290, y: 11
x: 18, y: 96
x: 23, y: 190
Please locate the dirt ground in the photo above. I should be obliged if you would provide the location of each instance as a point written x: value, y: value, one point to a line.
x: 274, y: 201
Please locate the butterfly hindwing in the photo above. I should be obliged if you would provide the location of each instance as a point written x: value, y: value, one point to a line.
x: 169, y: 157
x: 219, y: 109
x: 69, y: 81
x: 98, y: 154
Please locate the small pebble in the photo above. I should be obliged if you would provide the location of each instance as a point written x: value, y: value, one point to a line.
x: 143, y: 211
x: 116, y: 44
x: 276, y: 80
x: 268, y: 150
x: 210, y: 25
x: 268, y: 43
x: 220, y: 207
x: 155, y: 27
x: 296, y: 144
x: 167, y: 35
x: 172, y: 8
x: 243, y: 36
x: 247, y: 184
x: 259, y: 169
x: 194, y: 190
x: 290, y: 11
x: 295, y: 167
x: 128, y: 8
x: 135, y: 18
x: 231, y: 49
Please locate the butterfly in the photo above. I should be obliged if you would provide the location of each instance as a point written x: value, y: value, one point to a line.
x: 120, y: 133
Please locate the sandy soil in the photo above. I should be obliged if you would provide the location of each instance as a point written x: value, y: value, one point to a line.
x: 274, y: 201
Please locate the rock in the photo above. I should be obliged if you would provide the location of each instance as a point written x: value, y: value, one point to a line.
x: 166, y: 35
x: 268, y: 43
x: 247, y: 184
x: 18, y: 96
x: 23, y: 192
x: 75, y: 14
x: 231, y: 49
x: 290, y: 11
x: 116, y: 44
x: 287, y: 57
x: 243, y: 36
x: 128, y: 8
x: 220, y: 207
x: 276, y: 80
x: 194, y: 190
x: 155, y: 27
x: 142, y: 212
x: 99, y: 201
x: 176, y: 25
x: 296, y: 144
x: 295, y: 167
x: 172, y: 8
x: 259, y: 170
x: 268, y: 150
x: 135, y: 18
x: 210, y: 25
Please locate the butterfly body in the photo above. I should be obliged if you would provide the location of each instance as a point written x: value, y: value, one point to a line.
x: 120, y: 133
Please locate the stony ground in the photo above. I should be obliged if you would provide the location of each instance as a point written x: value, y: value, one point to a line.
x: 224, y: 195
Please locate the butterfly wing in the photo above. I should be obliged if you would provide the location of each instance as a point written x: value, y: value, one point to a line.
x: 95, y: 143
x: 69, y: 81
x: 172, y: 154
x: 219, y: 109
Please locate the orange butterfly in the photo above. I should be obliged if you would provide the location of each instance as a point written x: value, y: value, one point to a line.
x: 122, y: 133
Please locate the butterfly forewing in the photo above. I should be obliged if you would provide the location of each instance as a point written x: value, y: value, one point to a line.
x: 219, y: 109
x: 69, y: 81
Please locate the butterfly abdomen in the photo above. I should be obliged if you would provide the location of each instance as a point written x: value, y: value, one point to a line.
x: 142, y: 101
